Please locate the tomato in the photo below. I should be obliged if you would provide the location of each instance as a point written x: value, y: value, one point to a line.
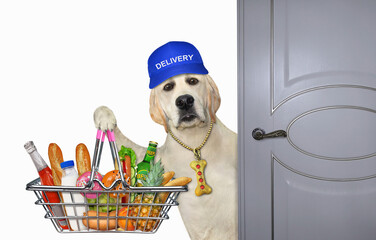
x: 110, y: 177
x: 122, y: 221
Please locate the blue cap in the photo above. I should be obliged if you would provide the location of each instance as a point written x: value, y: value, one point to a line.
x: 69, y: 163
x: 172, y: 59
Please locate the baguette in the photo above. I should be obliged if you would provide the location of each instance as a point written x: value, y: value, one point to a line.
x: 82, y: 159
x: 181, y: 181
x: 56, y: 157
x: 167, y: 177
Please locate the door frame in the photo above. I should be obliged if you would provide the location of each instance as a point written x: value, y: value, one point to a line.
x: 261, y: 12
x: 256, y: 26
x: 241, y: 130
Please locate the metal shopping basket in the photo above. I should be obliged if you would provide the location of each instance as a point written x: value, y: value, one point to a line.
x: 143, y: 210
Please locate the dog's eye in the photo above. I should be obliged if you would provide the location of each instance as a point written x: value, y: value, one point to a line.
x: 168, y: 87
x: 192, y: 81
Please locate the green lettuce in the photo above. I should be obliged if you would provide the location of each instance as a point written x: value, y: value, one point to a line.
x: 128, y: 152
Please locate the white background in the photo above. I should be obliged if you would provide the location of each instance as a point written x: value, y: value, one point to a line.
x: 60, y: 60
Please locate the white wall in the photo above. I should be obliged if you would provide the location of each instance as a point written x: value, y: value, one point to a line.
x: 60, y: 60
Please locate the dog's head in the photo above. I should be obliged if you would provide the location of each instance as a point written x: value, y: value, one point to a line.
x: 185, y: 100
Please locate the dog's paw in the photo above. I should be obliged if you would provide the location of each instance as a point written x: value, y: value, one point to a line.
x: 104, y: 118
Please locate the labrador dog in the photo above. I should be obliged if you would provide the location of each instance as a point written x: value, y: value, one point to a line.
x: 186, y: 104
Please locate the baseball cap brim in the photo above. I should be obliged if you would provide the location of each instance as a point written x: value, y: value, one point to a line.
x: 197, y: 68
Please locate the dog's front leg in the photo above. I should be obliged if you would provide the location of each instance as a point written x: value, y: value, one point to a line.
x: 104, y: 119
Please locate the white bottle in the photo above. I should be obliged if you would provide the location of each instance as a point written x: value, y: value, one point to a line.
x: 69, y: 178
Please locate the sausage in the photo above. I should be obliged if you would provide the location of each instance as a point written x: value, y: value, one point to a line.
x: 102, y: 221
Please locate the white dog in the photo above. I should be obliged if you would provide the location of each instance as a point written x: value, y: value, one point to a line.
x: 186, y: 104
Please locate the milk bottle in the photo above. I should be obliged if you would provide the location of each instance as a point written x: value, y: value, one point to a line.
x: 69, y: 178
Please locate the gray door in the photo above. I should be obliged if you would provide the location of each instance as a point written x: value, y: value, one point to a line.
x: 308, y: 68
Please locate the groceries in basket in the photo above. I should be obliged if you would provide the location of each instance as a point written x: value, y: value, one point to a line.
x: 144, y: 167
x: 105, y: 203
x: 109, y: 179
x: 45, y: 174
x: 82, y: 159
x: 84, y: 179
x: 83, y: 200
x: 69, y: 178
x: 128, y: 161
x: 155, y: 177
x: 101, y: 220
x: 124, y: 223
x: 56, y: 158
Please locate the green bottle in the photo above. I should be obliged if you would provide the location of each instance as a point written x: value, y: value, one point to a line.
x: 143, y: 167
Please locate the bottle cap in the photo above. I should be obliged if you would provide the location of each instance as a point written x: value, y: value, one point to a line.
x: 30, y: 147
x: 69, y: 163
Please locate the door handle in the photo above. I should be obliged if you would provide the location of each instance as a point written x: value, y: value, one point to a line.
x: 259, y: 134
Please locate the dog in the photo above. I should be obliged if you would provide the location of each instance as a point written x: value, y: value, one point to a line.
x: 186, y: 104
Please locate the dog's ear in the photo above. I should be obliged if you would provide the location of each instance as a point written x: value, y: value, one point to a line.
x: 156, y: 111
x: 214, y: 100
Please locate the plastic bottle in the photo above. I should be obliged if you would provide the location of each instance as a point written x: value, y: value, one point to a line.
x: 69, y: 178
x: 45, y: 175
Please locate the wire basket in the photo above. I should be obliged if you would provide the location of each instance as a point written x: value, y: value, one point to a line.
x: 144, y: 217
x: 130, y: 210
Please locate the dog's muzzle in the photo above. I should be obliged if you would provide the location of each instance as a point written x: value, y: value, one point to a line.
x: 186, y: 110
x: 185, y: 102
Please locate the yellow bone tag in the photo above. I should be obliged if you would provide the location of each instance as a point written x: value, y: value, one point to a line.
x: 202, y: 187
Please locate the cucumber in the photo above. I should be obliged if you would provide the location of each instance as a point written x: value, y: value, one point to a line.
x: 133, y: 181
x: 133, y: 176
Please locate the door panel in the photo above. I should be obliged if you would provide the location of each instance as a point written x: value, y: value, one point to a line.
x: 322, y: 42
x: 309, y: 68
x: 329, y: 140
x: 302, y: 211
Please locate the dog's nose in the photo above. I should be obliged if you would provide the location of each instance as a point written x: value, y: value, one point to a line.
x: 184, y: 102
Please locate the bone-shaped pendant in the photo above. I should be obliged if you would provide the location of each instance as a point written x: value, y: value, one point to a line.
x: 202, y: 187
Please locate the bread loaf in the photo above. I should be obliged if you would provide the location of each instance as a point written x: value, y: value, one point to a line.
x: 167, y: 177
x: 181, y: 181
x: 56, y: 157
x: 82, y: 159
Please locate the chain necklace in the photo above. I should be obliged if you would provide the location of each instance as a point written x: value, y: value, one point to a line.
x: 199, y: 164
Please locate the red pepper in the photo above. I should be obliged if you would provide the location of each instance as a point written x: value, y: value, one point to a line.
x: 126, y: 165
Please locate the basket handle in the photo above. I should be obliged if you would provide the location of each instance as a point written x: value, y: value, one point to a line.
x: 115, y: 156
x: 97, y: 157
